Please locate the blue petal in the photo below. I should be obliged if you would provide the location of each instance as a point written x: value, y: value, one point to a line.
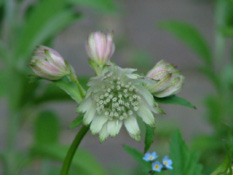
x: 169, y: 167
x: 154, y: 154
x: 147, y: 155
x: 169, y: 162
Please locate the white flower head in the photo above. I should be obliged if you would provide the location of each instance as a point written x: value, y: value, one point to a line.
x: 115, y: 99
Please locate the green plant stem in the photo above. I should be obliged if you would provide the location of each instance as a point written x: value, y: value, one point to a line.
x: 81, y: 90
x: 74, y: 146
x: 74, y: 79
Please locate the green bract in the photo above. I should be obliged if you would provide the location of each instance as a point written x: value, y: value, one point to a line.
x: 117, y: 98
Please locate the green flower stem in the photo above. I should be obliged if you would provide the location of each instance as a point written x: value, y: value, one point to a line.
x: 72, y: 150
x: 74, y: 79
x: 81, y: 90
x: 74, y: 146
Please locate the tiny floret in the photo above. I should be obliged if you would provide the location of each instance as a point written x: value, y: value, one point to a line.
x: 115, y: 99
x: 167, y: 80
x: 48, y: 63
x: 100, y: 47
x: 157, y: 166
x: 167, y: 162
x: 150, y: 156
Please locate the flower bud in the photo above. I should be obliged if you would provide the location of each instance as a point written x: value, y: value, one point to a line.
x: 48, y: 63
x: 100, y: 47
x: 168, y: 80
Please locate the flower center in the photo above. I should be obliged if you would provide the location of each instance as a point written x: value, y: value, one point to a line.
x: 156, y: 167
x: 151, y: 157
x: 117, y: 100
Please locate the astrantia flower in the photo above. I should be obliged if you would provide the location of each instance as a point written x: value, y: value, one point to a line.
x: 168, y: 80
x: 48, y: 63
x: 167, y: 162
x: 150, y: 156
x: 100, y: 47
x: 157, y: 166
x: 117, y: 98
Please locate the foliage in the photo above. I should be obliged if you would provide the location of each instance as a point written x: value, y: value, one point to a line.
x: 184, y: 161
x: 219, y: 104
x: 174, y: 100
x: 21, y: 30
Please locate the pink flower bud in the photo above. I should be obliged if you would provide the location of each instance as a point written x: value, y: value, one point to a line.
x: 100, y: 47
x: 168, y: 80
x: 48, y: 63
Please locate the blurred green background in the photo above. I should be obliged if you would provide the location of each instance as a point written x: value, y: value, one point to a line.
x: 29, y: 139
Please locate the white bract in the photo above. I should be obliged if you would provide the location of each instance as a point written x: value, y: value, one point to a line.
x: 115, y: 99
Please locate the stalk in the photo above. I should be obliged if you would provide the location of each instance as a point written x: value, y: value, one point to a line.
x: 74, y: 146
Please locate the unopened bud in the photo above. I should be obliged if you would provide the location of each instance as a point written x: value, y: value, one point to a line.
x: 100, y: 47
x: 168, y: 80
x: 48, y: 63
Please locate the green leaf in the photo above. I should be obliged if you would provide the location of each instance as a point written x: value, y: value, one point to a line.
x: 101, y: 5
x: 50, y: 94
x: 46, y: 128
x: 53, y: 93
x: 3, y: 82
x: 137, y: 156
x: 83, y: 162
x: 190, y: 36
x: 83, y: 80
x: 48, y: 18
x: 77, y: 122
x: 174, y: 100
x: 70, y: 88
x: 185, y: 162
x: 227, y: 31
x: 222, y: 169
x: 149, y: 137
x: 15, y: 88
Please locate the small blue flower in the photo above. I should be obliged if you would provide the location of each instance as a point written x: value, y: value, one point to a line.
x: 167, y: 162
x: 157, y: 166
x: 150, y: 156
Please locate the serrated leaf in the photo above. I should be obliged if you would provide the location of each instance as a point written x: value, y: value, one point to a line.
x: 77, y: 122
x: 137, y: 155
x: 101, y: 5
x: 174, y: 100
x: 190, y: 36
x: 83, y: 162
x: 149, y: 137
x: 46, y: 128
x: 184, y: 161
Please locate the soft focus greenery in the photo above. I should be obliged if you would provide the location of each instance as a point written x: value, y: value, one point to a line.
x: 22, y: 28
x: 217, y: 66
x: 40, y: 23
